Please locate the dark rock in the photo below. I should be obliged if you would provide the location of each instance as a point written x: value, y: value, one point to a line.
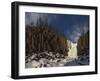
x: 83, y: 44
x: 41, y: 39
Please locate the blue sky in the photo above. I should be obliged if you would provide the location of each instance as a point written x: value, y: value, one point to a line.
x: 71, y: 26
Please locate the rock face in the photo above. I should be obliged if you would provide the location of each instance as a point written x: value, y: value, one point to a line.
x: 83, y: 44
x: 41, y: 39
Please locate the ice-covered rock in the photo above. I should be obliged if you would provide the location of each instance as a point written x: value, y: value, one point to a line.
x: 33, y: 56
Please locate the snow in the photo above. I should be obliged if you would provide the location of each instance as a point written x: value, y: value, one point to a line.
x: 67, y: 61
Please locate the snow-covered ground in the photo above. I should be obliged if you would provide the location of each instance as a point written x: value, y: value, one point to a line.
x: 44, y: 62
x: 51, y: 60
x: 83, y: 60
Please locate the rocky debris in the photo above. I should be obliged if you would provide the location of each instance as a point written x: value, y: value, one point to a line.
x: 46, y: 59
x: 84, y: 57
x: 83, y: 60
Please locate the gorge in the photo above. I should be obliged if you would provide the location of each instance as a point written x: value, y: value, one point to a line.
x: 45, y: 48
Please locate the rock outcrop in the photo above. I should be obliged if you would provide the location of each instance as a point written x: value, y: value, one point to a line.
x: 83, y: 44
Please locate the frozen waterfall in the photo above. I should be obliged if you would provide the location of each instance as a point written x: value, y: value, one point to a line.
x: 72, y: 50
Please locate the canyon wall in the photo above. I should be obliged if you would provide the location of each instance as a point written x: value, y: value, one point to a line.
x: 41, y: 39
x: 83, y: 44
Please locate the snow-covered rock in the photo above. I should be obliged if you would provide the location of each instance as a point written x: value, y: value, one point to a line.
x: 35, y: 64
x: 84, y: 60
x: 46, y: 59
